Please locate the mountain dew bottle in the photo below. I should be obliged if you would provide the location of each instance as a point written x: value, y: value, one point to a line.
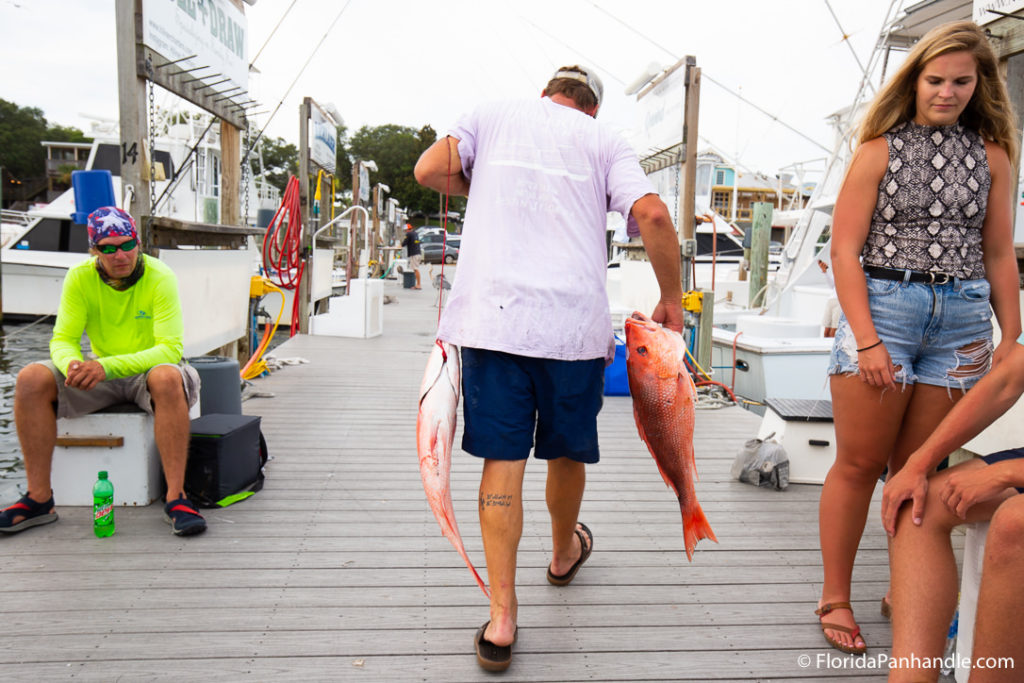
x: 103, y: 506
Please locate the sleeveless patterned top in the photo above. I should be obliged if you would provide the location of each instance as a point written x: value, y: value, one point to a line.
x: 931, y: 202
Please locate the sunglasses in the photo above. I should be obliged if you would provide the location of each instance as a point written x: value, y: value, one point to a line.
x: 112, y: 248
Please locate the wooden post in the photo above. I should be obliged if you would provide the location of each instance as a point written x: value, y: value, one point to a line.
x: 131, y: 94
x: 230, y: 175
x: 1015, y: 86
x: 687, y: 198
x: 687, y: 193
x: 759, y: 239
x: 705, y: 324
x: 304, y: 289
x: 376, y: 223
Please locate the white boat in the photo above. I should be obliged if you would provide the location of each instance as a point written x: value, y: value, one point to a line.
x: 44, y: 242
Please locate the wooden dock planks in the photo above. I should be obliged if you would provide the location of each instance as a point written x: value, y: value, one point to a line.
x: 338, y: 571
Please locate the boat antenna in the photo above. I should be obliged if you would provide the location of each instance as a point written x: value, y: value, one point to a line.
x: 704, y: 74
x: 276, y: 26
x: 245, y: 157
x: 846, y: 39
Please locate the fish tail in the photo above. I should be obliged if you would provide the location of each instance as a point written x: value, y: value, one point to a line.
x: 695, y: 527
x: 452, y: 532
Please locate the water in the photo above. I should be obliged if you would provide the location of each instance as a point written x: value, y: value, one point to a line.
x: 20, y: 344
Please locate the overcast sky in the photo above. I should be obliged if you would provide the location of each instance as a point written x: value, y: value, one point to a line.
x: 424, y: 62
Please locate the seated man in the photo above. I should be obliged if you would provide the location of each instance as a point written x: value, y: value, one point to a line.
x: 127, y: 303
x: 923, y: 567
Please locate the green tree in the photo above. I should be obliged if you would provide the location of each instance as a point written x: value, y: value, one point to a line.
x: 280, y: 160
x: 21, y: 131
x: 396, y: 149
x: 66, y: 134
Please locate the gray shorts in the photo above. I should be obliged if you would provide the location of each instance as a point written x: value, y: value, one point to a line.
x: 415, y: 260
x: 72, y: 402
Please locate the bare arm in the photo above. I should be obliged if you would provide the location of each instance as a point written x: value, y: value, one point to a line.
x: 662, y: 247
x: 440, y: 168
x: 997, y: 247
x: 850, y: 225
x: 992, y: 396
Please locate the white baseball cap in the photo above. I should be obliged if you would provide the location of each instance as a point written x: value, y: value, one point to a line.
x: 583, y: 75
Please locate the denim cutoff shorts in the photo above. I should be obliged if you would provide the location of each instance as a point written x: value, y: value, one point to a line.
x: 508, y: 398
x: 924, y: 328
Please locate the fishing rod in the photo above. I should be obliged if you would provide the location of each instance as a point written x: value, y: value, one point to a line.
x: 245, y: 157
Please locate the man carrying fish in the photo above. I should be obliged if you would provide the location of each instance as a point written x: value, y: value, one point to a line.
x: 530, y: 312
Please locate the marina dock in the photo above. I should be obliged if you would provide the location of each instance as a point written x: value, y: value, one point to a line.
x: 337, y: 570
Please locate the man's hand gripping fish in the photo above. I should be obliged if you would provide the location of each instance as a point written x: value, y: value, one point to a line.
x: 435, y: 431
x: 663, y: 405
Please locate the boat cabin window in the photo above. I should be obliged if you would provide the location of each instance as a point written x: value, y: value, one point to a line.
x: 54, y: 234
x: 108, y: 157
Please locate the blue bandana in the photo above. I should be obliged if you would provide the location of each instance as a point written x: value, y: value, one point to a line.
x: 110, y: 221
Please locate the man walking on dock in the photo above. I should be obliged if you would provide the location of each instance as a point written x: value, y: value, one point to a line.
x: 127, y: 303
x: 530, y: 312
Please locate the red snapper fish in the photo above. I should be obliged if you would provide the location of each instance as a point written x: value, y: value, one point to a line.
x: 663, y: 406
x: 435, y: 431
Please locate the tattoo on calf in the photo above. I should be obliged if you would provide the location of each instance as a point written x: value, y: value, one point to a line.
x: 495, y: 500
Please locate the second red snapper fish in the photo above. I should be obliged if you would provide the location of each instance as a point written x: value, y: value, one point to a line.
x: 435, y: 431
x: 664, y: 407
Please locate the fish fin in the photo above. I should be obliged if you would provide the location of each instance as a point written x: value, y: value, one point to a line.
x: 695, y: 527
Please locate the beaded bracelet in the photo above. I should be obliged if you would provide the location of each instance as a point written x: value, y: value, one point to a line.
x: 870, y: 347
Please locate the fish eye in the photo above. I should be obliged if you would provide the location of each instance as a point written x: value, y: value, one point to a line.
x: 642, y: 350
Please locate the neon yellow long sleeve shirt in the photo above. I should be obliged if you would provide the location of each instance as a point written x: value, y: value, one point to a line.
x: 130, y: 331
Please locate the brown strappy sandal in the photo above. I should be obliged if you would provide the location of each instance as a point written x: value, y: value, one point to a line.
x: 829, y: 607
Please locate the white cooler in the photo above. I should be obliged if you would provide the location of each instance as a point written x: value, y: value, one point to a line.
x: 804, y: 428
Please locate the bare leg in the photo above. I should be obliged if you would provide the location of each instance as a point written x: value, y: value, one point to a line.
x: 1000, y: 603
x: 564, y: 493
x: 170, y: 425
x: 928, y: 406
x: 867, y: 423
x: 501, y: 523
x: 35, y: 391
x: 924, y: 578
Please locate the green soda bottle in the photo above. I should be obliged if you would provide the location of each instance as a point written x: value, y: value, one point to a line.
x: 103, y: 506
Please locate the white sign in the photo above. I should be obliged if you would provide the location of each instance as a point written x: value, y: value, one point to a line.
x: 982, y: 15
x: 661, y: 113
x: 364, y: 184
x: 215, y: 31
x: 323, y: 138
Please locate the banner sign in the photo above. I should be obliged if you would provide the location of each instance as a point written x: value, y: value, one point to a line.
x: 323, y: 138
x: 660, y: 112
x: 982, y: 15
x: 215, y: 31
x: 364, y: 185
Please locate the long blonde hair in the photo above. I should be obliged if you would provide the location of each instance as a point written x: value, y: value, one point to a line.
x: 989, y: 111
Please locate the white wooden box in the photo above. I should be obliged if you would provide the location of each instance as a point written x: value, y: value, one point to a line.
x: 134, y: 467
x: 805, y: 430
x: 358, y: 314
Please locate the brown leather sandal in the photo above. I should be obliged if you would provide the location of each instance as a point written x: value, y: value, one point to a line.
x: 829, y: 607
x: 886, y: 608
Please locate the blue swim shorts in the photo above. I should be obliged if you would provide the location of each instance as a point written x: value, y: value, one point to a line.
x: 1010, y: 454
x: 939, y: 334
x: 508, y: 398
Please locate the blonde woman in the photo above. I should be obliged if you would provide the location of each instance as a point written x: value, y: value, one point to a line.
x: 922, y: 253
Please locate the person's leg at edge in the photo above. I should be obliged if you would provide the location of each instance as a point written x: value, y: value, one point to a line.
x: 1000, y: 602
x: 501, y: 524
x: 35, y: 419
x: 170, y: 425
x: 923, y: 573
x: 867, y: 424
x: 564, y: 494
